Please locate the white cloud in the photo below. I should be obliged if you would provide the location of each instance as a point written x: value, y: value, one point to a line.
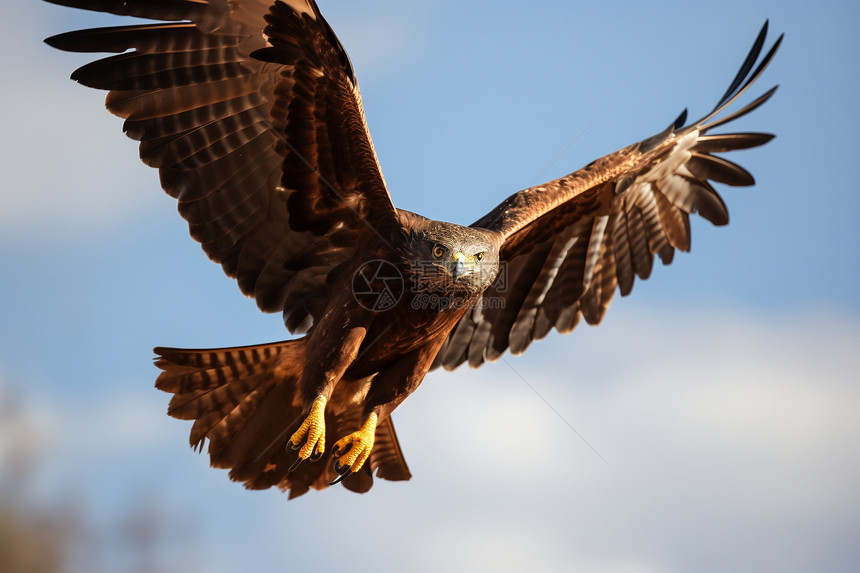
x: 67, y: 168
x: 59, y: 432
x: 733, y: 445
x: 726, y: 430
x: 733, y: 442
x: 740, y: 452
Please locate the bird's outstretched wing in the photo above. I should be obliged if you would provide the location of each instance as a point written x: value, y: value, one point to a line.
x: 251, y: 112
x: 569, y: 243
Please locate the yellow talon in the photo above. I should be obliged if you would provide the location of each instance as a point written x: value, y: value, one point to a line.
x: 357, y: 445
x: 312, y: 430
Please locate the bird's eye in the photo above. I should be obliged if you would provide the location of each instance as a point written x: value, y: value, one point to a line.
x: 438, y: 251
x: 479, y: 257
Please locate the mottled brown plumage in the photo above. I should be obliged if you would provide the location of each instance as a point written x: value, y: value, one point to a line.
x: 251, y: 112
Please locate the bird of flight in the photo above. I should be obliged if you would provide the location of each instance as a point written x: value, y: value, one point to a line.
x: 251, y: 112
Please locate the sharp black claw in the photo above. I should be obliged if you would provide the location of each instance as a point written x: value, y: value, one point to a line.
x: 295, y: 465
x: 316, y: 457
x: 342, y: 473
x: 295, y: 447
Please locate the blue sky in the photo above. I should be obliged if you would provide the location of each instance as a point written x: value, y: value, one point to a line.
x: 723, y: 392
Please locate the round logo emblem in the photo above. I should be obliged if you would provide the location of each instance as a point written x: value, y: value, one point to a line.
x: 377, y: 285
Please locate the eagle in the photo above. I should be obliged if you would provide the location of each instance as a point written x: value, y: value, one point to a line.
x: 251, y: 112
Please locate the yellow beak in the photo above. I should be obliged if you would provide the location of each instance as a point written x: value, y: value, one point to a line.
x: 459, y: 266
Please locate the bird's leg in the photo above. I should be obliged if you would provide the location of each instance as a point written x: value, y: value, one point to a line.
x: 336, y: 349
x: 311, y: 432
x: 387, y: 391
x: 353, y: 450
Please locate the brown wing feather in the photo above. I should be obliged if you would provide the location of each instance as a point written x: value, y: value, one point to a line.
x: 251, y: 112
x: 570, y: 242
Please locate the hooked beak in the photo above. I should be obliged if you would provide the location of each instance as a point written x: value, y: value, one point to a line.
x: 460, y: 266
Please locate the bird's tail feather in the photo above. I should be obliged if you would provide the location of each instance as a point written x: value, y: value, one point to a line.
x: 245, y: 401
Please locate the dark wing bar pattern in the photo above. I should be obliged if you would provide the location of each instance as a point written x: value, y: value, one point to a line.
x: 571, y: 242
x: 263, y: 143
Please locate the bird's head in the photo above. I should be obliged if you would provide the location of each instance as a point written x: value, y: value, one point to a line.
x: 450, y: 259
